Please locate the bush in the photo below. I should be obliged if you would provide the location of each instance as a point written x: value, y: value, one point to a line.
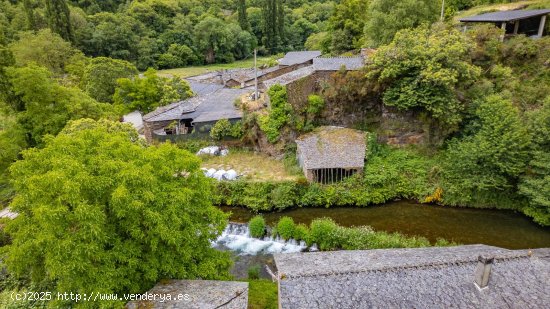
x: 324, y: 232
x: 254, y: 272
x: 221, y: 129
x: 301, y: 232
x: 257, y: 226
x: 286, y: 227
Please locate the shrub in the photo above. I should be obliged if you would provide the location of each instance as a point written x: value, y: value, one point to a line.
x: 257, y: 226
x: 301, y: 232
x: 324, y: 232
x: 221, y: 129
x: 286, y: 227
x: 254, y: 272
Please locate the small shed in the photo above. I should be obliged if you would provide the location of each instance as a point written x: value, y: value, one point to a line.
x: 528, y: 22
x: 330, y: 154
x: 193, y: 294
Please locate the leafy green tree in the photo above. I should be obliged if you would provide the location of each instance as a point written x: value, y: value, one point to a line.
x: 221, y: 129
x: 273, y: 22
x: 423, y: 68
x: 48, y: 106
x: 113, y: 35
x: 177, y: 56
x: 100, y: 212
x: 29, y: 11
x: 150, y: 91
x: 386, y: 17
x: 492, y: 158
x: 44, y: 48
x: 535, y: 183
x: 58, y: 14
x: 213, y: 40
x: 241, y: 11
x: 346, y: 25
x: 101, y: 75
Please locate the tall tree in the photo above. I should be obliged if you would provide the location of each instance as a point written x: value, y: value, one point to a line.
x: 241, y: 11
x: 273, y: 12
x: 29, y: 11
x: 59, y: 20
x: 100, y: 212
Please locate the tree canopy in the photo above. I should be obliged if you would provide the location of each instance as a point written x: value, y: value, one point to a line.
x: 101, y: 75
x: 100, y: 212
x: 425, y: 68
x: 147, y: 93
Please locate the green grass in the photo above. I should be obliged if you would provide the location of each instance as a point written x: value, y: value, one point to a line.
x: 254, y: 166
x: 197, y: 70
x: 262, y: 294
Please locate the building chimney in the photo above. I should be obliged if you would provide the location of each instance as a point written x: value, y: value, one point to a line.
x: 483, y: 271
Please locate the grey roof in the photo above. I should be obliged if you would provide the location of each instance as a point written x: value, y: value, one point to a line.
x: 336, y: 63
x: 246, y: 75
x: 219, y: 104
x: 298, y: 57
x: 505, y: 16
x: 414, y: 278
x: 200, y: 88
x: 289, y: 77
x: 332, y: 147
x: 197, y: 294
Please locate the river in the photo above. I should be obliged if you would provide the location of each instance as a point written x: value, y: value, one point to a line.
x: 501, y: 228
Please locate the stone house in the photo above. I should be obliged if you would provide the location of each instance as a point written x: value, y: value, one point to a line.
x: 194, y: 116
x: 330, y: 154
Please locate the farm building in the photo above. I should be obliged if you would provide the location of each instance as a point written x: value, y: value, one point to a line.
x: 474, y: 276
x: 299, y: 58
x: 528, y: 22
x: 194, y: 116
x: 330, y: 154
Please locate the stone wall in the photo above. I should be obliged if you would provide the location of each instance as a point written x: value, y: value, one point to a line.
x: 366, y: 111
x: 149, y: 127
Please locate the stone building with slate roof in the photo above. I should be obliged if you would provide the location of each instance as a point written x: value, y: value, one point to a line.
x: 195, y: 115
x: 330, y: 154
x: 299, y: 57
x: 473, y: 276
x: 528, y: 22
x: 195, y: 294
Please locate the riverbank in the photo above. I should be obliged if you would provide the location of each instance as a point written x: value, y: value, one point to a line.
x: 502, y: 228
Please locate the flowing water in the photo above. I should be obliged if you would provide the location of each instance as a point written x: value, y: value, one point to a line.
x: 500, y: 228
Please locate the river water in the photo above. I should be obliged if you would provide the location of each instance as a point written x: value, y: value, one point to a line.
x: 501, y: 228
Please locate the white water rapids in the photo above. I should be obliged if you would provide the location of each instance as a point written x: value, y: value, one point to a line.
x: 236, y: 237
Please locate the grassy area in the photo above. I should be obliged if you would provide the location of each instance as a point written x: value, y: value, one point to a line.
x: 481, y: 9
x: 197, y: 70
x: 262, y: 294
x: 254, y: 166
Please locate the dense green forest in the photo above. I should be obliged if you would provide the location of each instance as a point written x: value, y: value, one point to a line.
x: 92, y: 195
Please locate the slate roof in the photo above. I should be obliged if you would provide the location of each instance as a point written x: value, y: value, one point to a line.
x: 201, y: 294
x: 246, y: 75
x: 332, y: 147
x: 289, y: 77
x: 414, y: 278
x: 203, y: 88
x: 336, y: 63
x: 505, y: 16
x: 298, y: 57
x: 219, y: 104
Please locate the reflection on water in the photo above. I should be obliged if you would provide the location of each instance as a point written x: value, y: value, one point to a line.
x: 464, y: 225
